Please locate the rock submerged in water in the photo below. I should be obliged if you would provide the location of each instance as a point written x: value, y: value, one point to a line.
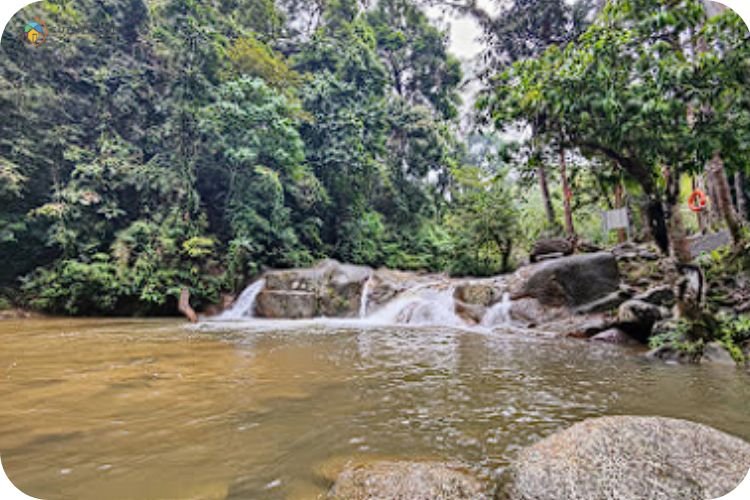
x: 407, y: 481
x: 630, y: 458
x: 614, y: 336
x: 712, y: 353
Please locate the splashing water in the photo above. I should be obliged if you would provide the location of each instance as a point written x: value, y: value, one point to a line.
x: 366, y: 288
x: 420, y: 306
x: 244, y: 306
x: 499, y: 313
x: 426, y: 304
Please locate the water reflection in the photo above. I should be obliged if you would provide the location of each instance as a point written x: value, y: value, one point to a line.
x: 151, y: 409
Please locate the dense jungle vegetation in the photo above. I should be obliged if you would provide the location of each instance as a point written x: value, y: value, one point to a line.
x: 152, y: 145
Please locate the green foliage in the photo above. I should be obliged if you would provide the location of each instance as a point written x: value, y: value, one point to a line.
x: 259, y: 175
x: 414, y: 53
x: 627, y: 91
x: 482, y: 223
x: 734, y: 331
x: 147, y: 266
x: 678, y: 337
x: 731, y: 331
x: 249, y: 56
x: 207, y: 141
x: 198, y: 246
x: 73, y: 287
x: 5, y: 303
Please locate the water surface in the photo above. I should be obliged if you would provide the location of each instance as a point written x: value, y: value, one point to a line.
x: 144, y: 409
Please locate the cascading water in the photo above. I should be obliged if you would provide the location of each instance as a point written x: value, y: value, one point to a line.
x: 424, y: 304
x: 499, y: 314
x: 420, y: 306
x: 244, y: 306
x: 366, y: 288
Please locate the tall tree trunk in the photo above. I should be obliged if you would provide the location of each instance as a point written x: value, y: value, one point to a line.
x: 506, y: 249
x: 724, y: 197
x: 622, y: 235
x: 567, y: 194
x: 716, y: 169
x: 714, y: 212
x: 739, y: 194
x: 688, y: 280
x: 658, y: 221
x: 541, y: 173
x: 680, y: 247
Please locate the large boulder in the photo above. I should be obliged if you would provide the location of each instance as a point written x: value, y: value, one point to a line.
x: 328, y: 289
x: 606, y: 303
x: 637, y: 318
x: 482, y: 293
x: 407, y: 480
x: 629, y: 457
x: 341, y: 289
x: 712, y: 353
x: 571, y: 281
x: 551, y: 247
x: 287, y: 304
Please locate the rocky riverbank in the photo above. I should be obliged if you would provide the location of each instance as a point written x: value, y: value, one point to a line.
x: 623, y: 457
x: 620, y: 296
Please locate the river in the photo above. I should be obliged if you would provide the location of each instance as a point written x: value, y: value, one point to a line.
x: 108, y: 409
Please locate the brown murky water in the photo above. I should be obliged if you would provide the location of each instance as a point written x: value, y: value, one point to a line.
x: 151, y: 409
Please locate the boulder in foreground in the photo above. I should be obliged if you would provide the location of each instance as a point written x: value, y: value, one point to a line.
x: 406, y: 480
x: 629, y: 458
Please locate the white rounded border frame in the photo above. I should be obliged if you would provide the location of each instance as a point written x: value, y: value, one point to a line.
x: 8, y: 491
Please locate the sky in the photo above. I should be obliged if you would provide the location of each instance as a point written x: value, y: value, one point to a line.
x: 464, y: 34
x: 464, y: 30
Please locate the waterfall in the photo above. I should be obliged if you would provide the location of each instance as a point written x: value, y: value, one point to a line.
x: 244, y: 306
x: 420, y: 306
x: 366, y: 288
x: 424, y: 304
x: 499, y: 313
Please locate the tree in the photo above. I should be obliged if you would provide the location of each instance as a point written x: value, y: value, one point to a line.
x: 206, y: 141
x: 622, y: 92
x: 482, y: 222
x: 524, y: 29
x: 415, y: 54
x: 253, y: 175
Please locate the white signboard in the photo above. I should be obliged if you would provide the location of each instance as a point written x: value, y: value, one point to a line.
x: 616, y: 219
